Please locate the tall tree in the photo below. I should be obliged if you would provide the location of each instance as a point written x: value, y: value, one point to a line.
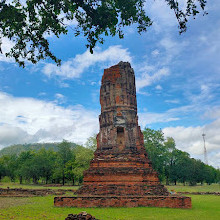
x: 170, y: 152
x: 2, y: 168
x: 210, y: 174
x: 180, y: 169
x: 44, y: 162
x: 28, y: 22
x: 10, y: 164
x: 23, y: 159
x: 91, y: 143
x: 154, y: 144
x: 64, y: 155
x: 83, y: 156
x: 69, y: 170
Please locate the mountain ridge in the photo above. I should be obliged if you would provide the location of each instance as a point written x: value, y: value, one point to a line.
x: 18, y: 148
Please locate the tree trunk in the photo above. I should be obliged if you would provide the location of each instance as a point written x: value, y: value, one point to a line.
x: 20, y: 179
x: 63, y: 178
x: 73, y: 181
x: 35, y: 180
x: 46, y: 180
x: 175, y: 182
x: 167, y: 181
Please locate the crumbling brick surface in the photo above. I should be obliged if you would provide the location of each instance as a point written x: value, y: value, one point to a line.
x: 123, y: 201
x: 19, y: 192
x: 80, y: 216
x: 121, y: 166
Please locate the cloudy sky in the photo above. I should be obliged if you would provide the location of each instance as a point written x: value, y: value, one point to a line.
x: 177, y: 79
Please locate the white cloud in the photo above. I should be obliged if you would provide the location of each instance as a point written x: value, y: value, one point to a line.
x: 162, y: 16
x: 148, y: 118
x: 74, y: 67
x: 173, y: 101
x: 12, y: 134
x: 155, y: 53
x: 93, y: 83
x: 207, y: 46
x: 59, y: 96
x: 172, y: 49
x: 31, y: 120
x: 173, y: 114
x: 60, y: 99
x: 212, y: 113
x: 145, y: 79
x: 158, y: 87
x: 6, y: 45
x: 189, y: 139
x: 206, y: 93
x: 164, y: 19
x: 42, y: 94
x: 73, y: 22
x: 63, y: 84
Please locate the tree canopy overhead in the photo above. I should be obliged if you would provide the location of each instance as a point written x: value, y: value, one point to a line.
x: 28, y: 22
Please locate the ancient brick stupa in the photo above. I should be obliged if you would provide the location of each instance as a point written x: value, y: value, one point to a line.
x: 121, y: 173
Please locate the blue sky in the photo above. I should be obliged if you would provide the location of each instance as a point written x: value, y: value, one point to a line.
x: 177, y: 80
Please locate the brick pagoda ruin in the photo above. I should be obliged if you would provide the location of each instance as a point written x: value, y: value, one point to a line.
x: 121, y: 175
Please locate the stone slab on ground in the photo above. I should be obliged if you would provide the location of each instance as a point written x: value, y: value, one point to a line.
x: 124, y: 201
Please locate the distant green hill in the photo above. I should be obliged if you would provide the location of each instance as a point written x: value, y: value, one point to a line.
x: 18, y: 148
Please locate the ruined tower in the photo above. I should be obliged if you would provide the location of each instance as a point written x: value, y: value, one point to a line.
x: 120, y: 165
x: 121, y: 173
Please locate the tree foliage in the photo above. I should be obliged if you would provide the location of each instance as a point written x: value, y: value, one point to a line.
x: 174, y: 165
x: 68, y: 163
x: 27, y: 23
x: 64, y: 155
x: 83, y: 156
x: 154, y: 145
x: 91, y: 143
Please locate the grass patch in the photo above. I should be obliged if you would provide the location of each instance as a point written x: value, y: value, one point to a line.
x: 198, y: 188
x: 9, y: 202
x: 204, y: 207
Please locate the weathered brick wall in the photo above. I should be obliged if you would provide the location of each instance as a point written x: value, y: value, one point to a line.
x: 123, y: 201
x: 19, y: 192
x: 120, y: 165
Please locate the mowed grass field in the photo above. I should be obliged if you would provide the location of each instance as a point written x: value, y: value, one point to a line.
x: 198, y: 188
x: 205, y: 207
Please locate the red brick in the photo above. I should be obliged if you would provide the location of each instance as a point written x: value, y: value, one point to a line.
x: 121, y: 166
x: 124, y: 201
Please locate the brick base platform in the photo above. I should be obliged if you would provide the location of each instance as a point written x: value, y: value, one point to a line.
x: 124, y: 201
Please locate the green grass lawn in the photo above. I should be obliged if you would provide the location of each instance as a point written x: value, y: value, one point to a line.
x: 204, y: 207
x: 198, y: 188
